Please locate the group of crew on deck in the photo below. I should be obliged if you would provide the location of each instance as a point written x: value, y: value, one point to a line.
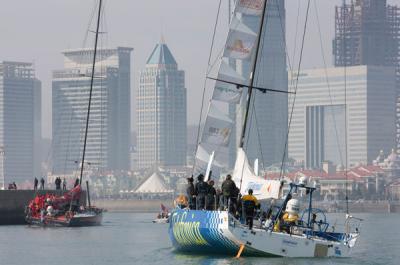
x: 203, y: 195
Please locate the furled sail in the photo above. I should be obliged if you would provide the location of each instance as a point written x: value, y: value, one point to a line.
x: 246, y: 179
x: 240, y: 48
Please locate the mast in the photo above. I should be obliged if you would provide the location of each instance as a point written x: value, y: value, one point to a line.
x: 250, y: 89
x: 90, y: 92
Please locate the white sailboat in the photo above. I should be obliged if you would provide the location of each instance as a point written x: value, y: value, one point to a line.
x: 204, y: 231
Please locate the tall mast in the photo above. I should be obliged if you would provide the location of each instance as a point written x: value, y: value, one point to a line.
x: 90, y: 92
x: 252, y: 73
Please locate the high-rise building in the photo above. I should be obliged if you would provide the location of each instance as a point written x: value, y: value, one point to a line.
x: 20, y: 121
x: 318, y: 130
x: 367, y: 32
x: 268, y: 117
x: 161, y: 111
x: 109, y: 125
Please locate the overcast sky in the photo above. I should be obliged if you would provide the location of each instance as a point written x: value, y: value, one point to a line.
x: 37, y: 31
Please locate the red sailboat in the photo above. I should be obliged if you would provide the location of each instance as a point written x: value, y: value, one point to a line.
x: 66, y: 210
x: 62, y: 210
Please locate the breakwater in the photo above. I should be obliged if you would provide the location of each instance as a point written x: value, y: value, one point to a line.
x: 13, y: 202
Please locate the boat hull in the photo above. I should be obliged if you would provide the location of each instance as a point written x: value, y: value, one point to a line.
x: 79, y: 220
x: 217, y: 232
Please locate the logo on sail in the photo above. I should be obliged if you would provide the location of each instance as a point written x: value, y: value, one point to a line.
x: 250, y: 7
x: 239, y: 45
x: 227, y: 92
x: 219, y: 136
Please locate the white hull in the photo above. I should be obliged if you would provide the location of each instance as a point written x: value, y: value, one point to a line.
x: 286, y: 245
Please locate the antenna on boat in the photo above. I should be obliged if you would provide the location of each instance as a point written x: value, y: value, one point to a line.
x: 250, y: 88
x: 90, y: 92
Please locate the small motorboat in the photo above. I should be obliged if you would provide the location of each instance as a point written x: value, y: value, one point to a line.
x: 163, y: 216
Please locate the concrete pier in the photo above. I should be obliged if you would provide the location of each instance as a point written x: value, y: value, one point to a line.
x: 13, y: 202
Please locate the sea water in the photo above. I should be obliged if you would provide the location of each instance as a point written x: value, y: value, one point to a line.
x: 131, y: 238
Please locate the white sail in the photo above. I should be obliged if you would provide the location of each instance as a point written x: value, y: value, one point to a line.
x: 246, y: 179
x: 209, y: 166
x: 256, y: 167
x: 239, y: 50
x: 227, y: 73
x: 240, y: 42
x: 217, y: 128
x: 227, y: 92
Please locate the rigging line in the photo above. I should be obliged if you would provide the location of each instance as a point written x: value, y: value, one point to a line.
x: 345, y: 105
x: 259, y: 135
x: 327, y: 80
x: 89, y: 24
x: 90, y: 93
x: 68, y: 143
x: 51, y: 149
x: 297, y: 29
x: 205, y: 85
x: 289, y: 62
x: 295, y: 90
x: 252, y: 100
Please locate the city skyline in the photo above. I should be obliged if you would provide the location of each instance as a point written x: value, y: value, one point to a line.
x: 40, y: 43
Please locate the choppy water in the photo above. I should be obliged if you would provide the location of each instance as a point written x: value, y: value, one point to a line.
x: 132, y: 239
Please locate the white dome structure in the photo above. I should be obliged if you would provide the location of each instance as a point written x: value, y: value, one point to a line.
x: 154, y: 184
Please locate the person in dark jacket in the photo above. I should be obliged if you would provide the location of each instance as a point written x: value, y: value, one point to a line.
x: 228, y: 190
x: 201, y: 190
x: 190, y: 193
x: 58, y: 183
x: 211, y: 196
x: 35, y: 183
x: 42, y: 183
x: 76, y: 182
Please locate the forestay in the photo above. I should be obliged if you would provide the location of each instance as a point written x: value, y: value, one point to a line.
x: 239, y: 48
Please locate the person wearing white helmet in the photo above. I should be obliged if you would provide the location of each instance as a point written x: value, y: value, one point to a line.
x: 291, y: 215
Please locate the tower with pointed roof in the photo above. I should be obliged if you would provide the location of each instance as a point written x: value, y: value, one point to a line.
x: 161, y: 111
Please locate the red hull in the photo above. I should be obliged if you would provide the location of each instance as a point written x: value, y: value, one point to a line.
x: 90, y: 218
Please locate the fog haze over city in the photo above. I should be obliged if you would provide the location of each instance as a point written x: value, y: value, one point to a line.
x: 37, y: 31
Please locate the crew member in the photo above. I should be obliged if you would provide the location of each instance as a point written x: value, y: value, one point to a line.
x: 228, y: 190
x: 181, y: 202
x: 211, y: 196
x: 201, y: 190
x: 291, y: 215
x: 249, y: 205
x: 190, y: 193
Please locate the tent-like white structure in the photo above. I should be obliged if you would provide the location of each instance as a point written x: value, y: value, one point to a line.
x: 154, y: 184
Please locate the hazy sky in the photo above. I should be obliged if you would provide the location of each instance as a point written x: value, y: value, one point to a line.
x: 37, y: 31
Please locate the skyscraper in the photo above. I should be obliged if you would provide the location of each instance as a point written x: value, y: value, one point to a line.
x: 20, y: 121
x: 161, y: 111
x: 268, y: 117
x: 109, y: 124
x: 319, y: 119
x: 367, y: 32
